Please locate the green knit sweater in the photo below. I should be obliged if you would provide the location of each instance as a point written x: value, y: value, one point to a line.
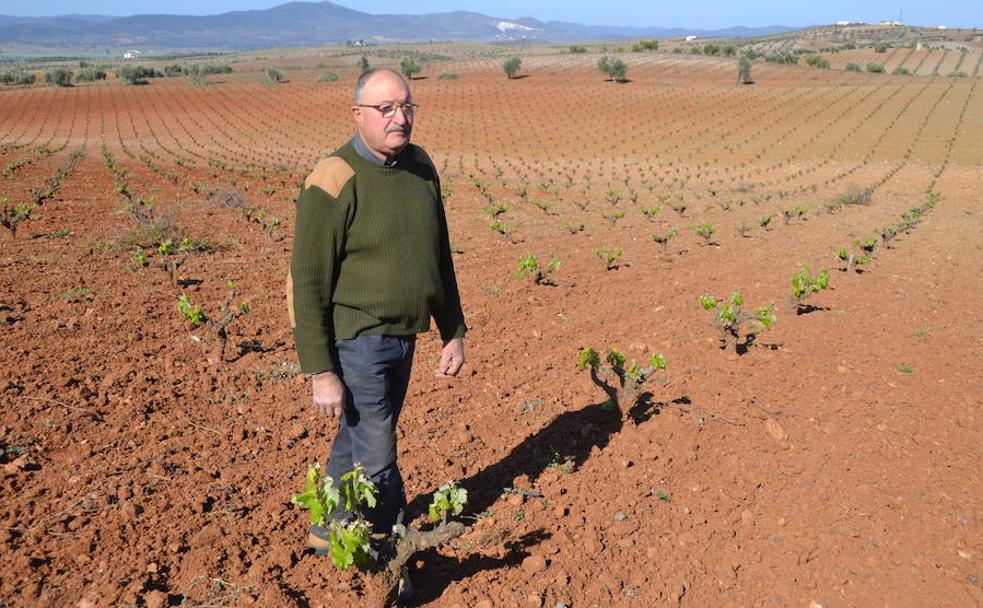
x: 371, y: 255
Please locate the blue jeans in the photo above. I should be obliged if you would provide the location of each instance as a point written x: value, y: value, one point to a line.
x: 376, y: 372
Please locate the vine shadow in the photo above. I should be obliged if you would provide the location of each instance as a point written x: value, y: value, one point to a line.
x: 645, y: 409
x: 805, y: 309
x: 245, y: 347
x: 751, y: 342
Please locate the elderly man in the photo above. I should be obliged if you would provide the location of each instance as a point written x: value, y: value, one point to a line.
x: 371, y: 265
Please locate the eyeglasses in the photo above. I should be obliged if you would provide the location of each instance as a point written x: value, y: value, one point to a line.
x: 388, y: 110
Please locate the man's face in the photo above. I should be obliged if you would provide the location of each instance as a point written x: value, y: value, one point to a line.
x: 386, y: 137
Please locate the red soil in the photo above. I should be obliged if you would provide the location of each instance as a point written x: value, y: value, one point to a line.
x: 833, y: 464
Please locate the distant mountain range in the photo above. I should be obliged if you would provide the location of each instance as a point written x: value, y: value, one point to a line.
x: 314, y: 23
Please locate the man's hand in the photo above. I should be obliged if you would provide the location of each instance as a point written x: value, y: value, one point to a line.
x: 451, y: 358
x: 329, y: 394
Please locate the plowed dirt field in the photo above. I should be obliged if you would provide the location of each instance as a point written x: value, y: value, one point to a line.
x: 835, y: 461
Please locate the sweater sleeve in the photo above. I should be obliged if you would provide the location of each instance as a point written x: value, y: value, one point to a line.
x: 449, y: 317
x: 319, y: 242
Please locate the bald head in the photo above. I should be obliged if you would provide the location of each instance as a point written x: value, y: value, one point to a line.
x: 377, y: 74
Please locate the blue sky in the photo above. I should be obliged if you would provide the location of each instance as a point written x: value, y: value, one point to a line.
x: 710, y: 14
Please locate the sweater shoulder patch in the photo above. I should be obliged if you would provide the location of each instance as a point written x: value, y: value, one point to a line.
x: 330, y: 174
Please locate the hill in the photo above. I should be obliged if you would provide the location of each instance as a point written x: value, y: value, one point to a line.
x: 309, y: 23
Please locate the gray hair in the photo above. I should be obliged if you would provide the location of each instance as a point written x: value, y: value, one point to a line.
x: 368, y: 74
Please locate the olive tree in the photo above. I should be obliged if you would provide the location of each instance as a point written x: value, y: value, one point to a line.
x: 511, y: 66
x: 59, y: 77
x: 616, y: 69
x: 409, y: 67
x: 744, y: 70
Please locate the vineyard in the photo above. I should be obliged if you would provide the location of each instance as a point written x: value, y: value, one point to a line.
x: 796, y: 260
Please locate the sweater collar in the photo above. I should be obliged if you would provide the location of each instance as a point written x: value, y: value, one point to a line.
x: 363, y: 150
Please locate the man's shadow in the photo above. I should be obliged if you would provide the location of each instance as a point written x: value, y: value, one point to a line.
x: 569, y: 437
x: 441, y: 570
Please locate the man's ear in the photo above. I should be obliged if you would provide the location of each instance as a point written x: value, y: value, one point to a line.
x: 358, y: 117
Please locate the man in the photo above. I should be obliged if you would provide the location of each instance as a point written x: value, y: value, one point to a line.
x: 371, y: 265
